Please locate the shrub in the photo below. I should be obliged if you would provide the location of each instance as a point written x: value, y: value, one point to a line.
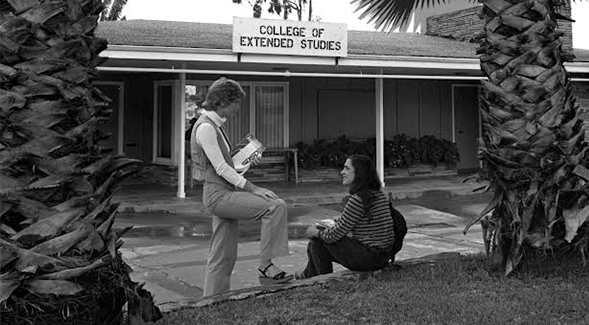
x: 400, y: 152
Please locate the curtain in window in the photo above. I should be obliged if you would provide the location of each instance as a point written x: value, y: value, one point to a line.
x: 270, y: 112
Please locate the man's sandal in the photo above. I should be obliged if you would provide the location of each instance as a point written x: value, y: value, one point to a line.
x: 278, y: 278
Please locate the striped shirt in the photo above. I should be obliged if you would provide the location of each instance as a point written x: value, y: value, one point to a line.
x: 377, y: 233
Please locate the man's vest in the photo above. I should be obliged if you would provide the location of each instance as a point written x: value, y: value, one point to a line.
x: 202, y: 169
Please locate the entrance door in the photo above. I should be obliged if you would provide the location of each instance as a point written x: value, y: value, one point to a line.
x: 115, y: 91
x: 466, y: 124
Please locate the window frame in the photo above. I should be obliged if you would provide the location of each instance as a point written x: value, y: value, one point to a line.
x: 177, y: 110
x: 252, y: 101
x: 155, y: 159
x: 120, y: 111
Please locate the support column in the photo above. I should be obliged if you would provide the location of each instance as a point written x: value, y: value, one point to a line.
x: 180, y: 99
x: 378, y: 86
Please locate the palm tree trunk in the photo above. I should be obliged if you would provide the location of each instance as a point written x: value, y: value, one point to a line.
x: 56, y: 182
x: 532, y: 145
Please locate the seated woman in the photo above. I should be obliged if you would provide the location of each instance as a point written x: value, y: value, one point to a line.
x: 363, y: 236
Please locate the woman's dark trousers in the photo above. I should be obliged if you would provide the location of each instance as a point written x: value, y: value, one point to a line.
x: 348, y: 252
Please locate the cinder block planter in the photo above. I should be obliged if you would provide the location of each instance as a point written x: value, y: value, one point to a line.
x: 167, y: 175
x: 324, y: 174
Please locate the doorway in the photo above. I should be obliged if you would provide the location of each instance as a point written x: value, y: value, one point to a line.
x: 466, y: 128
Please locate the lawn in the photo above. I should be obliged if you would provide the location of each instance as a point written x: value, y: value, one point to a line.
x: 460, y: 290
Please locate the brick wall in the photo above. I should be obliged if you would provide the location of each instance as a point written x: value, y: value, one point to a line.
x: 566, y: 26
x: 464, y: 24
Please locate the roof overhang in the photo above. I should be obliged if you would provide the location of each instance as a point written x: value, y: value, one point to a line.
x: 197, y: 60
x: 129, y: 52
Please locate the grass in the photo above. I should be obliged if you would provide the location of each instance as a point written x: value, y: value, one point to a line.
x: 545, y: 290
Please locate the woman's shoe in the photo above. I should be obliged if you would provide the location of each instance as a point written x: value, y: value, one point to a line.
x: 278, y: 278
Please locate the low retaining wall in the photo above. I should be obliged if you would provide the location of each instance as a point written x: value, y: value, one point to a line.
x: 167, y: 175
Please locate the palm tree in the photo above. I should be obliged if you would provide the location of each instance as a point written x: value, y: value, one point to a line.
x: 532, y: 147
x: 285, y: 7
x: 113, y: 10
x: 59, y: 257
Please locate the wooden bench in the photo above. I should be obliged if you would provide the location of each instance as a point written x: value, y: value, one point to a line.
x: 283, y: 158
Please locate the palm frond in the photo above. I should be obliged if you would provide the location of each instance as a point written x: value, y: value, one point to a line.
x: 386, y: 15
x: 104, y: 13
x: 116, y: 9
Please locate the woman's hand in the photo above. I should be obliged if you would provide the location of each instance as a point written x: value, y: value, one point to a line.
x: 259, y: 191
x: 256, y: 159
x: 312, y: 232
x: 265, y: 193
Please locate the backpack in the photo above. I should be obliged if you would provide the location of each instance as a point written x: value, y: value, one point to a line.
x: 400, y: 228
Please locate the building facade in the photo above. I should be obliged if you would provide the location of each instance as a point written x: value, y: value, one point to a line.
x: 386, y: 84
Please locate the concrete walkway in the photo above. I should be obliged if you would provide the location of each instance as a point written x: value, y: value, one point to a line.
x: 162, y: 198
x: 173, y: 267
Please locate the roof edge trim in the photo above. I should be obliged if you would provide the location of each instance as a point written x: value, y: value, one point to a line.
x: 130, y: 52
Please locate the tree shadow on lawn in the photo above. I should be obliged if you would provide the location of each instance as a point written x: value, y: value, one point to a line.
x: 461, y: 290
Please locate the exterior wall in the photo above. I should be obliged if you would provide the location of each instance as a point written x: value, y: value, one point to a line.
x: 319, y: 108
x: 465, y: 24
x: 324, y: 108
x: 346, y: 107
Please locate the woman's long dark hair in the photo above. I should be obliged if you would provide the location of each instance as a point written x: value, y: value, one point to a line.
x: 365, y: 180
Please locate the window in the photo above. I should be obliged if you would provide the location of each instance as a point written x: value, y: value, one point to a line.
x: 163, y: 122
x: 271, y: 122
x: 264, y: 111
x: 115, y: 90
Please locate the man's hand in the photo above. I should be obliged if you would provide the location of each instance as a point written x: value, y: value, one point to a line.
x: 312, y: 232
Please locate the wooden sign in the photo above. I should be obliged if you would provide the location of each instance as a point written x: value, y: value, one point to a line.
x: 288, y: 37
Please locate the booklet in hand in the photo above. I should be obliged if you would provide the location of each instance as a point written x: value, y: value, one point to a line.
x: 324, y: 223
x: 249, y: 148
